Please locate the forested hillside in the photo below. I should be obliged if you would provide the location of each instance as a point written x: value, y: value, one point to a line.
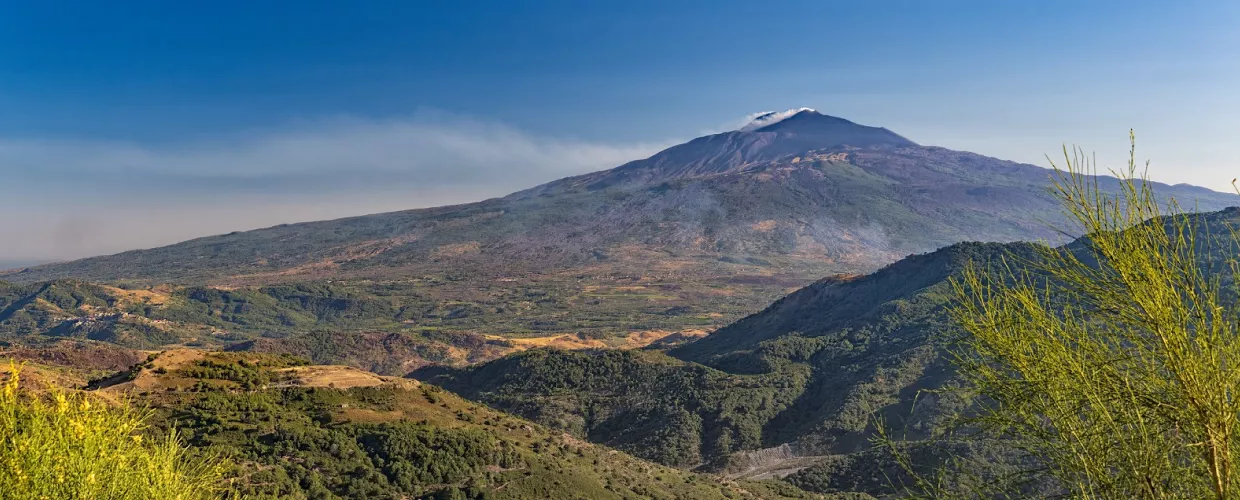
x: 298, y: 431
x: 813, y: 371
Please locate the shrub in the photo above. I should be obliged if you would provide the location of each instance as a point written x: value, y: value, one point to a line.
x: 1108, y: 366
x: 65, y: 445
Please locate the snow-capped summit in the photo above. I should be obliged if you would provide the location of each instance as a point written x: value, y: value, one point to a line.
x: 759, y: 120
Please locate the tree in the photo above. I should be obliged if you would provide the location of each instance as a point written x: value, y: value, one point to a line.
x: 1109, y: 367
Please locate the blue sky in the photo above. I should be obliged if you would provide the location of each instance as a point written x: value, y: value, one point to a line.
x: 142, y: 123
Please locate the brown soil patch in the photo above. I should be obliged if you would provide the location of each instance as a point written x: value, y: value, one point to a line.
x: 765, y: 226
x: 78, y: 356
x: 323, y: 267
x: 340, y: 377
x: 631, y: 288
x: 43, y: 305
x: 680, y: 337
x: 162, y: 374
x: 39, y: 377
x: 148, y: 297
x: 175, y: 359
x: 456, y: 250
x: 570, y: 341
x: 566, y: 341
x: 147, y: 380
x: 637, y: 340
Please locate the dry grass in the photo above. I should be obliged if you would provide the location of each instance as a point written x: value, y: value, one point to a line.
x: 340, y: 377
x: 145, y: 297
x: 570, y: 341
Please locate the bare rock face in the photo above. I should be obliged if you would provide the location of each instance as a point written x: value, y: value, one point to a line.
x: 767, y: 463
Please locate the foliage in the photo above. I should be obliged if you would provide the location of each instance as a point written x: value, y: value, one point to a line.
x: 421, y: 320
x: 644, y: 403
x: 396, y: 441
x: 63, y: 445
x: 811, y: 369
x: 816, y: 367
x: 1110, y: 365
x: 246, y: 374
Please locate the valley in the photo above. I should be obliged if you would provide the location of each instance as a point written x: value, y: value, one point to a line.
x: 616, y: 250
x: 728, y: 318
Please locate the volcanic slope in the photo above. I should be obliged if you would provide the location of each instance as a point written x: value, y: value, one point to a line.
x: 690, y: 239
x: 810, y: 194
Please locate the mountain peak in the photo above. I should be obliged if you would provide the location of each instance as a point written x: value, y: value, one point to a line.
x: 768, y: 118
x: 808, y: 126
x: 768, y: 136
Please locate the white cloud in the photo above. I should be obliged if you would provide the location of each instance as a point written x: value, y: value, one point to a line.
x: 759, y: 120
x: 754, y: 121
x: 78, y: 198
x: 431, y: 147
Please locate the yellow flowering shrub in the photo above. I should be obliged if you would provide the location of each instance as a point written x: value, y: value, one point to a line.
x: 59, y: 445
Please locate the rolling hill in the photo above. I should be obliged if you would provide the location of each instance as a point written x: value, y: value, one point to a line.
x: 293, y: 430
x: 794, y: 388
x: 391, y: 333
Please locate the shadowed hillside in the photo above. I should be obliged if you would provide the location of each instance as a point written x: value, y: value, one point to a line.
x: 806, y: 377
x: 808, y: 370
